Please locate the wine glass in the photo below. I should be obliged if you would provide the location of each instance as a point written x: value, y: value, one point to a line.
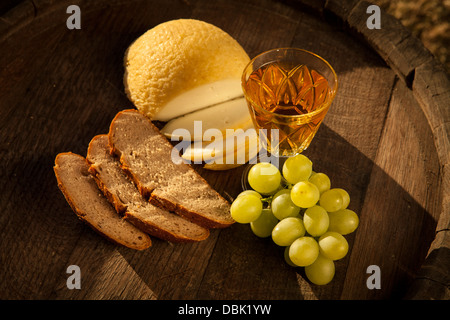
x: 288, y: 91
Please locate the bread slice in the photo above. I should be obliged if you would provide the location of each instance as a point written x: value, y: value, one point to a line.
x: 87, y: 201
x: 146, y: 155
x: 121, y: 191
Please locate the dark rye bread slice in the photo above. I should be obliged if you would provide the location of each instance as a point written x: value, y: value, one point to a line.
x: 89, y: 204
x: 146, y: 156
x: 123, y: 194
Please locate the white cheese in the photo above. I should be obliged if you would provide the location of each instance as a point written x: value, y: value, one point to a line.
x: 232, y: 114
x: 200, y: 97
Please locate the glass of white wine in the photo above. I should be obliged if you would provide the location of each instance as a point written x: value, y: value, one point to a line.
x: 288, y: 92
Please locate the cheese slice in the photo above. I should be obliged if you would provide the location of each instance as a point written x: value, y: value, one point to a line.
x: 232, y: 114
x: 242, y: 154
x: 235, y: 143
x: 199, y: 98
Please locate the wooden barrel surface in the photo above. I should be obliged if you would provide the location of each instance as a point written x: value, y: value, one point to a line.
x: 385, y: 140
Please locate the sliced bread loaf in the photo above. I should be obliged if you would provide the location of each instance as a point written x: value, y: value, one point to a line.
x: 146, y: 156
x: 89, y: 204
x: 122, y: 192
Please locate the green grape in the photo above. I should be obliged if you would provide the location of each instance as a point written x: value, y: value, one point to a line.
x: 316, y: 221
x: 263, y: 226
x: 321, y: 180
x: 282, y: 205
x: 345, y: 197
x: 264, y: 178
x: 344, y: 221
x: 331, y: 200
x: 246, y: 209
x: 333, y: 245
x: 304, y: 251
x: 287, y: 259
x: 305, y: 194
x: 297, y: 168
x: 246, y: 192
x: 321, y: 271
x: 287, y: 230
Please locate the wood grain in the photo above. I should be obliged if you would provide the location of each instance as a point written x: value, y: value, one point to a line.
x: 395, y: 206
x: 385, y: 140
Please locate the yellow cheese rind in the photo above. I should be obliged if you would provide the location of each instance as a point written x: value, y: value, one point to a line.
x: 175, y: 57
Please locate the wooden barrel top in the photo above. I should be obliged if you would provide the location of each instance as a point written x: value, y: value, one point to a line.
x: 385, y: 140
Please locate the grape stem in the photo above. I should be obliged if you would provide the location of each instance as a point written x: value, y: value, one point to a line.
x: 268, y: 199
x: 267, y: 202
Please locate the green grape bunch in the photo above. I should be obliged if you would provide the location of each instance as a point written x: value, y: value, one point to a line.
x: 301, y: 212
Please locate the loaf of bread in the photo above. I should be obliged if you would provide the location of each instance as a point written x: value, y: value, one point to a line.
x: 146, y: 156
x: 87, y: 201
x: 123, y: 194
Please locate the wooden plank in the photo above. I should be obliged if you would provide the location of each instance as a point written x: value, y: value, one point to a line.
x: 7, y: 5
x: 401, y: 206
x: 431, y: 89
x: 37, y: 232
x: 15, y: 18
x: 252, y: 20
x: 315, y: 7
x: 394, y: 43
x: 407, y: 56
x: 26, y: 258
x: 104, y: 273
x: 444, y: 218
x: 340, y: 9
x: 433, y: 280
x: 164, y: 271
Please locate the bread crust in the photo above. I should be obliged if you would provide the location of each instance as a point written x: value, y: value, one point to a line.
x: 160, y: 233
x: 117, y: 204
x: 193, y: 216
x: 185, y: 213
x: 127, y: 212
x: 146, y: 241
